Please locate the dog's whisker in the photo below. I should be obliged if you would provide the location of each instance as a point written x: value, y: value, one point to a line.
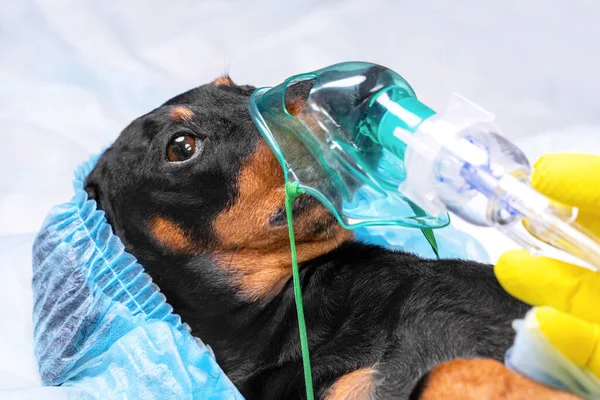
x: 229, y: 267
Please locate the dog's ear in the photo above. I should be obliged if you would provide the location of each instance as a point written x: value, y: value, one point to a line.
x: 94, y: 189
x: 93, y: 193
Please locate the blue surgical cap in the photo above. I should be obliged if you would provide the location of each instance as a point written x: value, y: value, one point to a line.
x: 102, y: 329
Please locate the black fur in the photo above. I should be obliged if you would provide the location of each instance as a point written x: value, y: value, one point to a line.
x: 365, y: 306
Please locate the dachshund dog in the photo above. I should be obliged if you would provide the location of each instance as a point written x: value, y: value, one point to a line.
x: 196, y: 194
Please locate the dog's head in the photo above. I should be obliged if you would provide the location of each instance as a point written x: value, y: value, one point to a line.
x: 194, y: 178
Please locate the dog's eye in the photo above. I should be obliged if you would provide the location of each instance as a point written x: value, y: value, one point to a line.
x: 182, y: 148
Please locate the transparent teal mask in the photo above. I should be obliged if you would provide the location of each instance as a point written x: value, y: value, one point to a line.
x: 321, y: 126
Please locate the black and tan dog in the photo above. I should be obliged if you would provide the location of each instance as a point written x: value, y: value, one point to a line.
x: 197, y: 196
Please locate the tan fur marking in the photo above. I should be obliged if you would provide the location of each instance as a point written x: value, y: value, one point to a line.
x: 357, y: 385
x: 181, y: 113
x: 170, y: 235
x: 260, y: 194
x: 255, y: 252
x: 483, y: 378
x: 294, y: 105
x: 263, y: 273
x: 223, y: 81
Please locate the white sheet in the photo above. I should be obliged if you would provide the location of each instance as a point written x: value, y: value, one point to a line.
x: 75, y: 72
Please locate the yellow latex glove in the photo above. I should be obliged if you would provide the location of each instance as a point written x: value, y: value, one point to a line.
x: 567, y: 296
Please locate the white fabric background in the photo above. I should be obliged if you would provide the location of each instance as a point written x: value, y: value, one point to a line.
x: 73, y: 73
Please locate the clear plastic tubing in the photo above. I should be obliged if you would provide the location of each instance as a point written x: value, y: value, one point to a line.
x: 458, y: 161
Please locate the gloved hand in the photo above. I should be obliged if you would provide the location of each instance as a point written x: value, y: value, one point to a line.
x: 567, y: 296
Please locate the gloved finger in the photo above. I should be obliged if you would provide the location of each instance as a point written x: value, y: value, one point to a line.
x: 575, y: 338
x: 542, y: 281
x: 590, y: 221
x: 572, y: 179
x: 587, y: 221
